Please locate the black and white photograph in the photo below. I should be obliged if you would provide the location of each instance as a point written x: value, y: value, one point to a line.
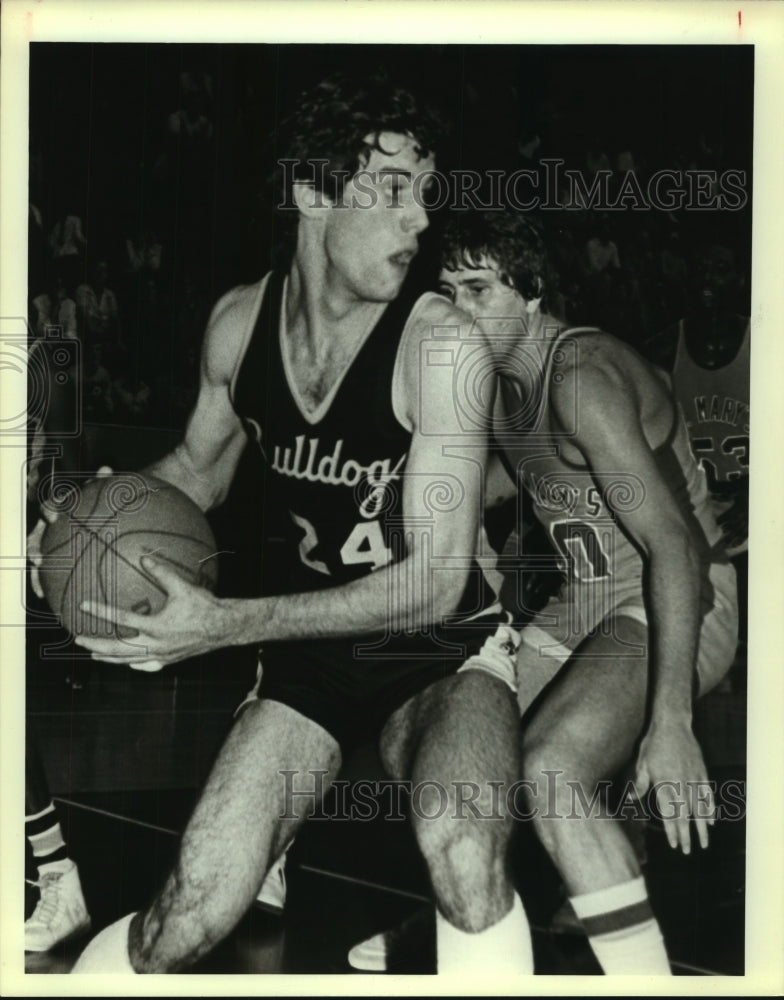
x: 376, y: 468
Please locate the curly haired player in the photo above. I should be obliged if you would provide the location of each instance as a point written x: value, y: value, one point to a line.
x: 321, y: 365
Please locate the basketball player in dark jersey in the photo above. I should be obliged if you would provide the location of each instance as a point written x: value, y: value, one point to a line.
x: 647, y: 618
x: 351, y: 398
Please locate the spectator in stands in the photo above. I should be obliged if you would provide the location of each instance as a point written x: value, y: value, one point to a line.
x: 67, y: 242
x: 98, y: 312
x: 53, y: 308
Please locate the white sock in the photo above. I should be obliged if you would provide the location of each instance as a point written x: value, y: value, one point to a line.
x: 622, y: 930
x: 108, y: 951
x: 505, y: 947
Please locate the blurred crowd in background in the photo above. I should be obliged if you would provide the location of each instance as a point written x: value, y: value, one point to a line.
x: 148, y: 189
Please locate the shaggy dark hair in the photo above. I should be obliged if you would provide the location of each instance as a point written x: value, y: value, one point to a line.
x: 334, y: 121
x: 512, y: 240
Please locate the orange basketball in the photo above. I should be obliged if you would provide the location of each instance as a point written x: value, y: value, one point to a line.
x: 93, y: 550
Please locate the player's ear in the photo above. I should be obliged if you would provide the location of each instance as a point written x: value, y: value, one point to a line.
x: 309, y: 200
x: 533, y: 304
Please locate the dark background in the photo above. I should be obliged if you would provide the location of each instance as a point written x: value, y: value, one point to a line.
x: 101, y: 148
x: 100, y: 145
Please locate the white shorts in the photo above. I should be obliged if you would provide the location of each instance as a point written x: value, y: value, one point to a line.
x: 498, y: 657
x: 578, y: 611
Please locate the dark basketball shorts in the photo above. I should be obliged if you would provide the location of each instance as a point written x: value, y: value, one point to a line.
x: 350, y: 687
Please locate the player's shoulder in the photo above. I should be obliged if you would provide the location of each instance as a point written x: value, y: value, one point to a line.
x: 437, y: 340
x: 432, y: 310
x: 235, y: 305
x: 435, y: 319
x: 600, y: 370
x: 230, y: 321
x: 595, y: 354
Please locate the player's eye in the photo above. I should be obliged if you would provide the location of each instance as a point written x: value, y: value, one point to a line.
x: 447, y: 291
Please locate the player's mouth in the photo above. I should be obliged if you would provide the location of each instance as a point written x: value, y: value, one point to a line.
x: 403, y: 258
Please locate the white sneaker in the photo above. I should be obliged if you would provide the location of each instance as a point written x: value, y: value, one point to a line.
x: 370, y: 955
x: 61, y: 912
x: 409, y: 941
x: 272, y: 894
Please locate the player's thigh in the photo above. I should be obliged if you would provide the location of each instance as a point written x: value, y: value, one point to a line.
x: 588, y: 719
x: 466, y: 722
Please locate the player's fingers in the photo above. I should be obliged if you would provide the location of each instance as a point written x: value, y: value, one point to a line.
x: 122, y: 650
x: 170, y: 579
x: 149, y: 666
x: 684, y: 833
x: 114, y: 615
x: 671, y: 833
x: 105, y: 470
x: 35, y: 536
x: 119, y: 661
x: 671, y: 810
x: 35, y: 583
x: 48, y: 516
x: 702, y: 831
x: 703, y: 809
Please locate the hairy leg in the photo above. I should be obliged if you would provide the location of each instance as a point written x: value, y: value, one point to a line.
x: 452, y: 740
x: 242, y: 821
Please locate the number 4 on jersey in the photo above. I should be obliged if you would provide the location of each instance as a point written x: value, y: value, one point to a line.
x: 365, y: 544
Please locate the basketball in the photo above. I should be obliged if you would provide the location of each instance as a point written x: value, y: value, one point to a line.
x: 92, y: 551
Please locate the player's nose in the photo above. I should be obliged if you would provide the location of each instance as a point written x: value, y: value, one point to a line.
x: 415, y: 219
x: 464, y: 301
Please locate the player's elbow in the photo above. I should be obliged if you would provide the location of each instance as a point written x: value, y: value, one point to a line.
x: 447, y: 588
x: 679, y: 544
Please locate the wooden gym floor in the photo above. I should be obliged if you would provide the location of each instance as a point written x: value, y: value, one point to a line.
x: 126, y: 752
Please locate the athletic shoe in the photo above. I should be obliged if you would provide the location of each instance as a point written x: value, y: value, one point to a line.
x: 61, y: 912
x: 405, y: 942
x: 272, y: 894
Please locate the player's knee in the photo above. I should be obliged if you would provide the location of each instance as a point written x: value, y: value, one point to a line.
x: 462, y: 854
x: 464, y: 826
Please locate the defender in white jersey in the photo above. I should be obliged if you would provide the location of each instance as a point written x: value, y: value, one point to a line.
x: 647, y: 617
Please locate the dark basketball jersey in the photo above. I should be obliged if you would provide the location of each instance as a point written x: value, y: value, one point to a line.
x: 715, y: 403
x: 337, y: 471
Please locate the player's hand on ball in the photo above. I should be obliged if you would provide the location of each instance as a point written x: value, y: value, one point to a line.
x: 35, y: 556
x: 192, y: 622
x: 49, y: 515
x: 670, y: 761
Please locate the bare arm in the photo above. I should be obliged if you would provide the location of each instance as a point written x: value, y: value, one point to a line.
x: 612, y: 439
x: 613, y: 443
x: 204, y: 463
x: 441, y: 501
